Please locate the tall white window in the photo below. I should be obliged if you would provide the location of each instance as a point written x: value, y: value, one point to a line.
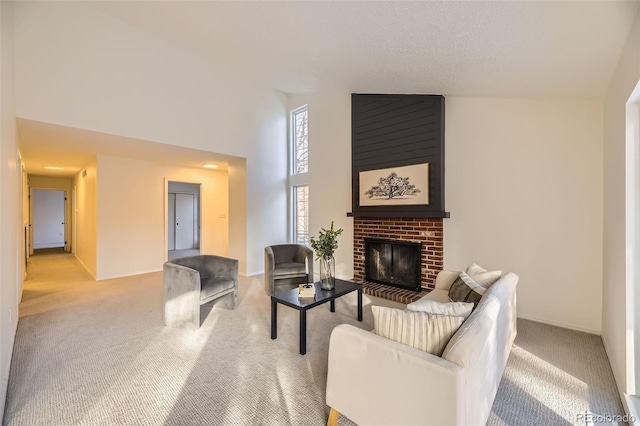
x: 300, y: 139
x: 301, y: 213
x: 298, y: 183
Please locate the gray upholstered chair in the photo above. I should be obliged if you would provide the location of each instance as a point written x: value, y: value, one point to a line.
x: 195, y: 280
x: 286, y: 266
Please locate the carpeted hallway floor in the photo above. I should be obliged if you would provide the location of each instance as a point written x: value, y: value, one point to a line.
x: 96, y: 353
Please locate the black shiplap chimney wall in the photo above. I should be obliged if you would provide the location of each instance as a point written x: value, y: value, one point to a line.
x: 398, y: 130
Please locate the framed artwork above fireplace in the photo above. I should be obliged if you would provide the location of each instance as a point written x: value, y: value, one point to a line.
x: 406, y: 185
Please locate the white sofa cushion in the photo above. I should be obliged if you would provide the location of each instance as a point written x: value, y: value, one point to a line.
x: 464, y: 347
x: 444, y: 279
x: 421, y: 330
x: 482, y: 276
x: 438, y: 294
x: 456, y: 309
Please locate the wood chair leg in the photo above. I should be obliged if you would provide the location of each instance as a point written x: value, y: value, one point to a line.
x: 333, y: 417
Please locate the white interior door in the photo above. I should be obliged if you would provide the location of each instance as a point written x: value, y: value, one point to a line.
x: 185, y: 221
x: 172, y: 221
x: 48, y: 218
x: 67, y: 216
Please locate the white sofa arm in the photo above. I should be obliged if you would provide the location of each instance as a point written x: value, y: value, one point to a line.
x: 373, y: 380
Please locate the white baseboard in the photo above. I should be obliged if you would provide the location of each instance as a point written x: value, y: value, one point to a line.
x: 560, y: 324
x: 131, y: 274
x: 85, y: 267
x: 55, y: 244
x: 632, y: 405
x: 250, y: 274
x: 117, y: 275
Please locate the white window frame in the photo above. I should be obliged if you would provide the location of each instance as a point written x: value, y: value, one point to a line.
x: 298, y: 179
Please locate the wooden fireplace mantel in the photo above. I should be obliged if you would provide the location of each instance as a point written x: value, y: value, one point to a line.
x: 400, y: 214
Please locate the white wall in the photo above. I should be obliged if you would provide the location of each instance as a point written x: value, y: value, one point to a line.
x: 524, y: 188
x: 330, y: 170
x: 266, y: 170
x: 614, y: 318
x: 50, y: 182
x: 11, y: 248
x: 523, y: 185
x: 85, y: 219
x: 238, y: 214
x: 121, y: 80
x: 132, y: 214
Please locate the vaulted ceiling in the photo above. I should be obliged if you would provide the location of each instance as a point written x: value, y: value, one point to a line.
x: 518, y: 49
x: 538, y: 49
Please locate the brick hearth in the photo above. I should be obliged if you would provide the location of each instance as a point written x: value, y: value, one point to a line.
x: 391, y: 293
x: 428, y: 231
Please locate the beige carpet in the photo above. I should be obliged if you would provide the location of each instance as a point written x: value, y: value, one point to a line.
x: 96, y: 353
x: 556, y: 376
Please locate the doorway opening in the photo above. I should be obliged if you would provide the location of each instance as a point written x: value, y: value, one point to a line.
x: 183, y: 224
x: 49, y: 221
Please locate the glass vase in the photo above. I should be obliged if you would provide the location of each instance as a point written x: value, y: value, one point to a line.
x: 327, y: 273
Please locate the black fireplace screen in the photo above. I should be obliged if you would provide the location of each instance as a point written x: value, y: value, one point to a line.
x: 394, y: 263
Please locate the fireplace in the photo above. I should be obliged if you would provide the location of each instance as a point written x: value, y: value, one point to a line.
x: 429, y: 232
x: 394, y: 263
x: 394, y: 132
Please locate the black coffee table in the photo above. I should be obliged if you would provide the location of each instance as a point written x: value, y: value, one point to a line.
x: 290, y: 298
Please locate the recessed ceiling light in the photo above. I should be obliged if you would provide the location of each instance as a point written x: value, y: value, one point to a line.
x: 210, y: 166
x: 53, y: 168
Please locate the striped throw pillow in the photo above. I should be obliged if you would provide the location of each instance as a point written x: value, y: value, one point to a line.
x: 465, y: 289
x: 456, y: 309
x: 421, y: 330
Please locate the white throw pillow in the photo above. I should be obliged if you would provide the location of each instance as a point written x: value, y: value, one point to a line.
x: 482, y: 276
x: 456, y: 309
x: 421, y: 330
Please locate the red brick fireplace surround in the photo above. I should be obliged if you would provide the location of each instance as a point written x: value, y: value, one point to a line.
x: 428, y: 231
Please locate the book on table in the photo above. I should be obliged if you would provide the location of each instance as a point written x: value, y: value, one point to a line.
x: 307, y: 290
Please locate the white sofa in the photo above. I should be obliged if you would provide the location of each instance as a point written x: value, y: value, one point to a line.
x: 376, y: 381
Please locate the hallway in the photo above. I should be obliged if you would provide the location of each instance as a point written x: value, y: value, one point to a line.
x: 55, y: 281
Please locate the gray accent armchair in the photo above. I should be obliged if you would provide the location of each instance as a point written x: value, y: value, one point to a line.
x: 286, y: 266
x: 195, y: 280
